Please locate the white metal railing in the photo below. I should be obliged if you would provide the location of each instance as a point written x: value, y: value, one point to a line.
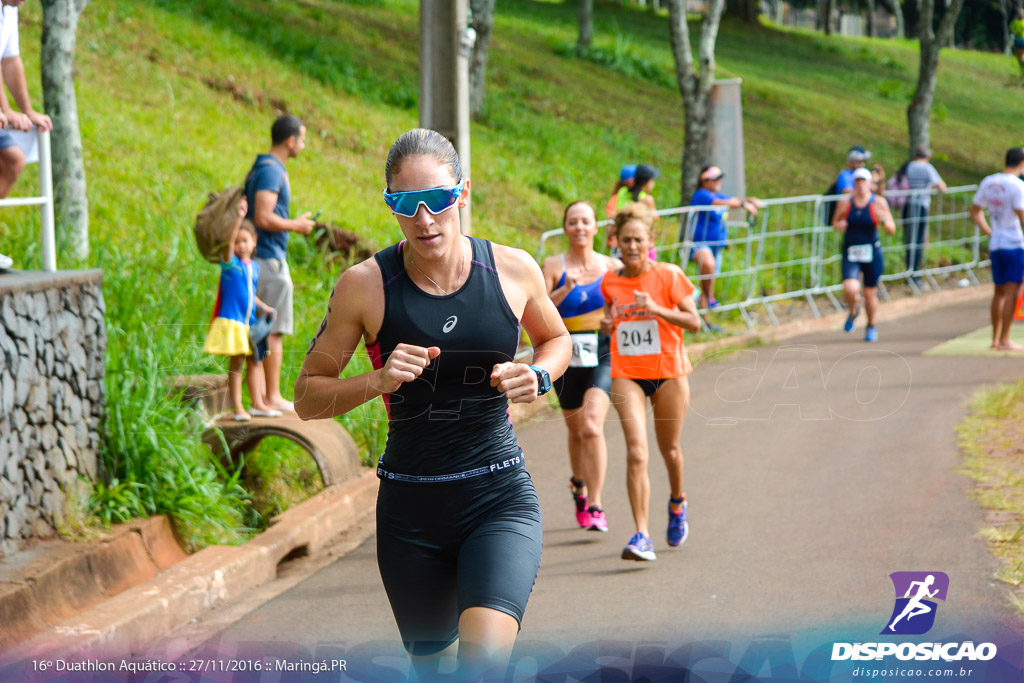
x: 45, y: 200
x: 790, y: 251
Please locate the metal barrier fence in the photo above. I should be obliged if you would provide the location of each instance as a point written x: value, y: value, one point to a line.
x: 45, y: 201
x: 790, y: 250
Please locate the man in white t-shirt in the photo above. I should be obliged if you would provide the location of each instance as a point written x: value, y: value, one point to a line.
x: 12, y: 159
x: 1003, y: 195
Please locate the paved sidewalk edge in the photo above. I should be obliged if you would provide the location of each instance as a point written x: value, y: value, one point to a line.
x: 140, y: 616
x: 889, y: 310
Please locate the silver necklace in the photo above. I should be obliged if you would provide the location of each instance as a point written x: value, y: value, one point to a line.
x: 462, y: 267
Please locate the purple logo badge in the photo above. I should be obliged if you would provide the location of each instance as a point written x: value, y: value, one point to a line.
x: 916, y: 593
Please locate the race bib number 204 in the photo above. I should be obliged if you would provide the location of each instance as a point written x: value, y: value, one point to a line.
x: 638, y: 338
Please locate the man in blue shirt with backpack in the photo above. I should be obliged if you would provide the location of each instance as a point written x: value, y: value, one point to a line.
x: 269, y: 196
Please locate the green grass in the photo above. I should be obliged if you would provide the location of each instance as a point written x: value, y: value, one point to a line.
x: 176, y: 97
x: 279, y: 473
x: 990, y: 444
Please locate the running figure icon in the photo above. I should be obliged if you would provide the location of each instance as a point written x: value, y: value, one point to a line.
x: 916, y: 607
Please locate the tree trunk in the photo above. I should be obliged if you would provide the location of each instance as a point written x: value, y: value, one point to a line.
x: 586, y: 25
x: 830, y: 8
x: 745, y: 10
x: 872, y: 31
x: 60, y: 24
x: 932, y: 41
x: 897, y: 11
x: 1004, y: 12
x: 482, y: 21
x: 695, y: 87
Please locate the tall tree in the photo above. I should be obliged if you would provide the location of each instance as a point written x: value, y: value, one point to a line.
x: 1008, y: 11
x: 897, y: 11
x: 826, y: 10
x: 60, y: 25
x: 482, y: 22
x: 745, y: 10
x: 586, y: 25
x: 872, y: 31
x: 932, y: 39
x: 695, y: 86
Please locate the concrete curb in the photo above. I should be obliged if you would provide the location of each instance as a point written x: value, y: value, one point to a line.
x: 58, y: 580
x: 142, y: 615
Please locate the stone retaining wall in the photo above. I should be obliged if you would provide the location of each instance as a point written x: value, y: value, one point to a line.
x: 52, y: 346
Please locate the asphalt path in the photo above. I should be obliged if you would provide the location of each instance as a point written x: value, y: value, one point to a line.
x: 813, y: 469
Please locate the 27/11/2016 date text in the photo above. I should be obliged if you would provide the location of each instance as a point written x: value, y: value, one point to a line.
x: 230, y: 665
x: 191, y: 665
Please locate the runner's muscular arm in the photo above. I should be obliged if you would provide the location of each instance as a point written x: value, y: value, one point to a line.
x: 523, y: 285
x: 684, y: 315
x: 319, y: 392
x: 356, y: 309
x: 552, y: 271
x: 888, y: 224
x: 839, y: 217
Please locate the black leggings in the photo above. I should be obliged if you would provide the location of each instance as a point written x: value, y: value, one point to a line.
x: 442, y: 548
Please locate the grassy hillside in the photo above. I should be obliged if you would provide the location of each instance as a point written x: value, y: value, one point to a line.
x: 176, y: 97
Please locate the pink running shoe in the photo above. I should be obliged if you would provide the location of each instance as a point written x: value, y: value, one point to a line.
x: 582, y: 513
x: 597, y: 520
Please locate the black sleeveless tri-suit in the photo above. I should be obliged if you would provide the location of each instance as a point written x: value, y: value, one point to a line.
x: 458, y: 521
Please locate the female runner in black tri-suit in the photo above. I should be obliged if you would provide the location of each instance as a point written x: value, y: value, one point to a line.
x: 458, y: 522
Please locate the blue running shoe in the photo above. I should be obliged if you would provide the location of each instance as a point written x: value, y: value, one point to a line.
x: 850, y: 319
x: 711, y: 327
x: 639, y: 548
x: 678, y: 527
x: 871, y: 335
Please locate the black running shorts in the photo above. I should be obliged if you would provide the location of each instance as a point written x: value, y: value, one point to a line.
x: 445, y: 547
x: 575, y: 382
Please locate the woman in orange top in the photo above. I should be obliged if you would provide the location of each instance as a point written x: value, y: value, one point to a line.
x: 647, y: 307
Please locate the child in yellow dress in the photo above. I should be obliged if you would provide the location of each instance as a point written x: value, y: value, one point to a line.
x: 234, y: 312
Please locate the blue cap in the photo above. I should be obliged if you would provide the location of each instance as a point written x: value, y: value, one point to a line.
x: 627, y: 172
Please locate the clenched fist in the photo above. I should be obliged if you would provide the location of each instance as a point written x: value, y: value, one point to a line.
x: 405, y: 364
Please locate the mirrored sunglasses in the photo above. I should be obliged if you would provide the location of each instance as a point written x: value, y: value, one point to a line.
x: 437, y: 200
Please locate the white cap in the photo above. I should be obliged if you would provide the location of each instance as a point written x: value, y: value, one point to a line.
x: 862, y: 174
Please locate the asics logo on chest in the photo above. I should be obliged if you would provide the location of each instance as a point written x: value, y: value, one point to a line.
x: 450, y: 324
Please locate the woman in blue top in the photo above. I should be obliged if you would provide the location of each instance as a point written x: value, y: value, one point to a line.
x: 857, y: 217
x: 574, y: 284
x: 710, y: 233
